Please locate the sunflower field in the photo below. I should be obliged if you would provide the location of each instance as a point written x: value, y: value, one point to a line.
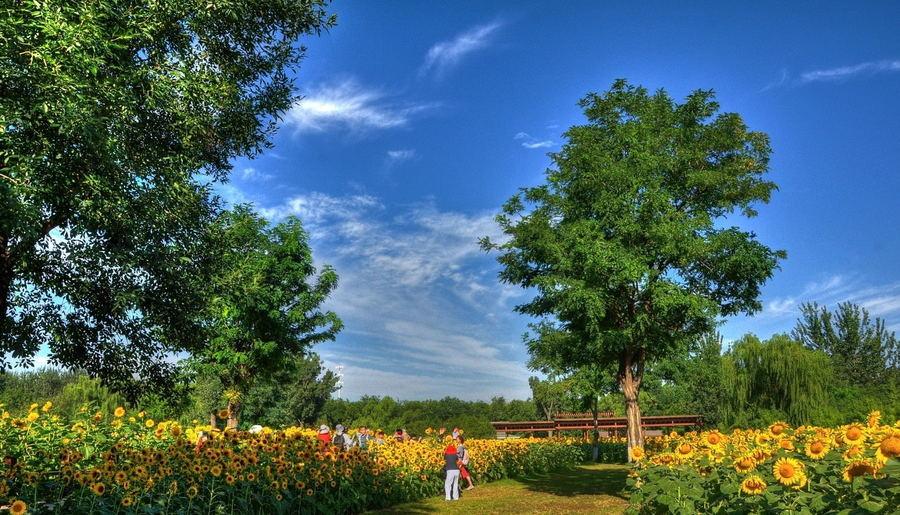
x: 849, y: 469
x: 124, y: 462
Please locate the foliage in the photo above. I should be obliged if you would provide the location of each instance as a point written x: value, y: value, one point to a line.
x: 109, y: 110
x: 549, y: 394
x: 415, y: 416
x: 292, y: 395
x: 264, y: 304
x: 126, y: 462
x: 863, y: 352
x: 623, y: 244
x: 778, y: 374
x: 689, y: 383
x: 778, y: 469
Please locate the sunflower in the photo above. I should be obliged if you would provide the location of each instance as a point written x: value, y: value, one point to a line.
x: 745, y: 464
x: 98, y: 488
x: 149, y: 422
x: 714, y: 439
x: 854, y: 434
x: 18, y: 507
x: 753, y: 485
x: 119, y: 413
x: 816, y: 449
x: 786, y: 444
x: 685, y: 450
x: 191, y: 491
x: 778, y: 428
x: 788, y: 471
x: 637, y: 453
x: 127, y: 501
x: 223, y: 414
x: 874, y: 419
x: 853, y: 453
x: 859, y: 468
x: 889, y: 447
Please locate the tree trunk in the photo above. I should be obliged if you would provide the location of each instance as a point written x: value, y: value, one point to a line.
x: 595, y: 453
x: 631, y: 372
x: 234, y: 412
x: 213, y: 422
x: 6, y: 276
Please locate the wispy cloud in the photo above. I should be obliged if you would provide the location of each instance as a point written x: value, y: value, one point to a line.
x: 416, y: 292
x: 446, y: 55
x: 845, y: 72
x: 347, y: 105
x: 395, y: 157
x: 881, y: 301
x: 530, y: 142
x: 837, y: 74
x: 252, y: 174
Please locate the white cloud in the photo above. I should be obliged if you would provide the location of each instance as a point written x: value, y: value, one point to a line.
x: 347, y: 105
x: 833, y: 74
x: 881, y: 301
x: 844, y: 72
x: 416, y: 293
x: 400, y: 155
x: 447, y: 54
x: 252, y: 174
x: 530, y: 142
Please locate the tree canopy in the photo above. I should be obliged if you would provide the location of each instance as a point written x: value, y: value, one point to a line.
x: 114, y: 116
x: 862, y: 350
x: 264, y: 302
x: 626, y: 244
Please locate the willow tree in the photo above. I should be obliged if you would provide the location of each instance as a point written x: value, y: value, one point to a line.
x: 779, y: 376
x: 626, y: 244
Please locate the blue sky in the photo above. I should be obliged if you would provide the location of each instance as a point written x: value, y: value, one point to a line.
x: 421, y: 118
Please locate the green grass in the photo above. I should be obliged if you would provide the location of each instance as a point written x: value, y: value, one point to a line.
x: 595, y: 488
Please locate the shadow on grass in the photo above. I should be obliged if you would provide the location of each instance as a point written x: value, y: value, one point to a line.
x: 581, y: 481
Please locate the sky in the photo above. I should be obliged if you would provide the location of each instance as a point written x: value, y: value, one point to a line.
x: 419, y: 119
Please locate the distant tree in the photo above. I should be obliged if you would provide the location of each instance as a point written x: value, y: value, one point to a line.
x: 778, y: 377
x: 625, y: 245
x: 862, y: 351
x: 549, y: 394
x: 293, y: 395
x: 264, y: 303
x: 109, y: 110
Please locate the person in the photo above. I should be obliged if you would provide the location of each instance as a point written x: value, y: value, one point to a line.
x: 379, y: 437
x: 404, y: 436
x: 362, y: 438
x: 398, y: 435
x: 451, y: 469
x: 256, y: 429
x: 202, y: 438
x: 340, y: 440
x: 324, y: 434
x: 463, y: 454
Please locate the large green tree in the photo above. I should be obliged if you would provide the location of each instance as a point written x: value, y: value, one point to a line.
x: 264, y: 302
x: 863, y: 351
x: 111, y: 111
x: 627, y: 245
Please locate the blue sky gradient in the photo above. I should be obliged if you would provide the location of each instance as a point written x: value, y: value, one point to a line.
x: 421, y: 118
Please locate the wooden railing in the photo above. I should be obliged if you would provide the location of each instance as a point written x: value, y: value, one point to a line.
x: 604, y: 423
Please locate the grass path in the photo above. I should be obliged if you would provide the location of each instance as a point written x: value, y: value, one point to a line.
x: 595, y: 488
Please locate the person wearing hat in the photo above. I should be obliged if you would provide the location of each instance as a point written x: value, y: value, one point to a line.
x: 324, y: 434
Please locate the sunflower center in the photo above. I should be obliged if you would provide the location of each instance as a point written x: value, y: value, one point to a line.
x: 684, y: 448
x: 817, y: 447
x: 786, y: 470
x: 854, y: 433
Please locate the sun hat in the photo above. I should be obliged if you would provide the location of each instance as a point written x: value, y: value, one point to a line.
x: 323, y: 428
x: 339, y: 428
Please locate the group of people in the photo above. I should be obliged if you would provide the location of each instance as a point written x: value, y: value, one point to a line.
x: 362, y: 439
x: 456, y: 463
